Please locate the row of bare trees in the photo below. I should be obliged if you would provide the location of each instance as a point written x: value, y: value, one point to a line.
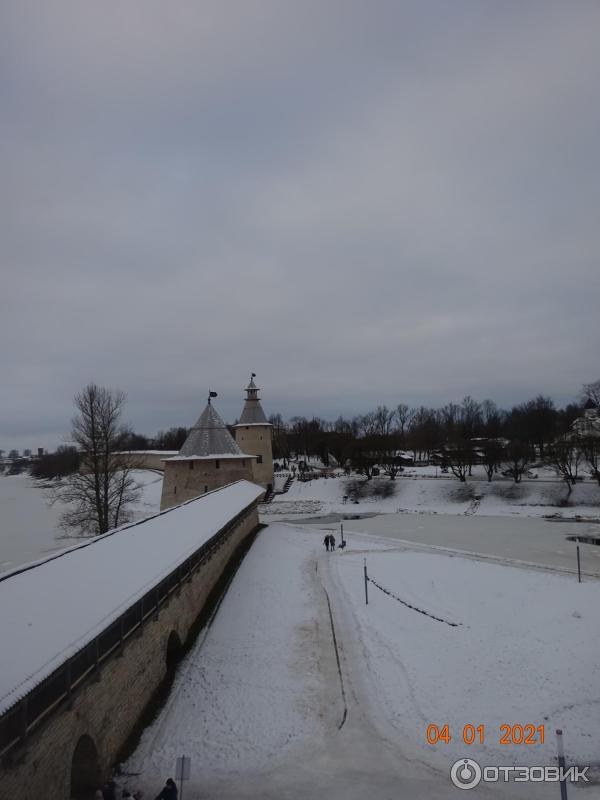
x: 456, y: 436
x: 97, y: 487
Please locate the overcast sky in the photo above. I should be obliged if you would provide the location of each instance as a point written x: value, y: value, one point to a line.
x: 363, y: 202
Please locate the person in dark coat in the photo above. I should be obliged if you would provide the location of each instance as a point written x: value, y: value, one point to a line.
x: 169, y: 791
x: 109, y: 791
x: 326, y: 542
x: 332, y: 542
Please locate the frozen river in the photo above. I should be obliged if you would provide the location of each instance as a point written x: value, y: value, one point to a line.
x: 533, y: 540
x: 29, y: 526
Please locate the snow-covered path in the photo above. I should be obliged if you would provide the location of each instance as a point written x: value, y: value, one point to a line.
x: 258, y: 704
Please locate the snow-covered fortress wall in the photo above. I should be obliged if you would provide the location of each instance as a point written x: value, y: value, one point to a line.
x: 87, y: 654
x: 146, y: 459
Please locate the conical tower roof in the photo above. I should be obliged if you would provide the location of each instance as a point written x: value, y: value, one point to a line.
x: 210, y: 437
x: 252, y: 413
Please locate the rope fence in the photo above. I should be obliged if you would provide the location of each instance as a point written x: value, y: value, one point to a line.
x: 409, y: 605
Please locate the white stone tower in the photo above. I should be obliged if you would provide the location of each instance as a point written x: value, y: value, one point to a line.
x: 253, y: 434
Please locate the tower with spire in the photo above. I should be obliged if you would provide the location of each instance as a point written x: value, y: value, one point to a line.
x: 209, y: 458
x: 253, y: 434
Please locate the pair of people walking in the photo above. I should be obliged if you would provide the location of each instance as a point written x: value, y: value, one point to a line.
x: 329, y: 542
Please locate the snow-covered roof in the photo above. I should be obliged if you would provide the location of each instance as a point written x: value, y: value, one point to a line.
x: 50, y: 610
x: 209, y: 436
x: 252, y: 413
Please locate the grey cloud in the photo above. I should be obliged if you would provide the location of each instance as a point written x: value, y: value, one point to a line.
x: 361, y: 202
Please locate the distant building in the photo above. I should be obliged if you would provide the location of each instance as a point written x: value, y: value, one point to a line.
x: 589, y: 424
x: 210, y: 457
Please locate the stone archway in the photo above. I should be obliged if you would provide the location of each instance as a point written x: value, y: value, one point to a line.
x: 85, y: 769
x: 173, y: 650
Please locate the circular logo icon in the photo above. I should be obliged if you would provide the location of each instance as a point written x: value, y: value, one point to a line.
x: 465, y: 773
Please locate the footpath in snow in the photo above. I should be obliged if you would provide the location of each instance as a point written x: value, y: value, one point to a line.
x: 258, y: 703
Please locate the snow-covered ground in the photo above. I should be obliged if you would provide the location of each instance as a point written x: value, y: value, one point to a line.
x: 525, y: 651
x: 442, y: 495
x: 30, y: 526
x: 258, y: 703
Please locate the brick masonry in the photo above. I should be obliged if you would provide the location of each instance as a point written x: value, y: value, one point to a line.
x: 108, y: 709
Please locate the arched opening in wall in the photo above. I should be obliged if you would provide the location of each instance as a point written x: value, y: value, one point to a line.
x: 85, y: 770
x: 173, y: 650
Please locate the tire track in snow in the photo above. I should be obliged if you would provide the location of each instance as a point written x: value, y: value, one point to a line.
x: 337, y: 655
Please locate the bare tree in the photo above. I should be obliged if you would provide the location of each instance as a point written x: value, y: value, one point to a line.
x: 363, y: 456
x: 367, y: 424
x: 388, y: 457
x: 590, y: 447
x: 281, y: 447
x: 565, y: 457
x: 458, y: 456
x: 97, y: 497
x: 517, y: 459
x: 403, y: 417
x: 384, y: 419
x: 591, y: 391
x: 492, y: 456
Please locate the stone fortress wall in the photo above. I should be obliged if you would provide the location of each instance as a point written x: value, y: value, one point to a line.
x: 81, y: 738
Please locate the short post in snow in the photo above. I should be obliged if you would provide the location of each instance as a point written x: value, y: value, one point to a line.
x: 578, y: 565
x: 182, y: 772
x: 366, y: 582
x: 561, y: 763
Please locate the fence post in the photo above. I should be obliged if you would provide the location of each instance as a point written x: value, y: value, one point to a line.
x: 366, y: 582
x: 561, y: 763
x: 578, y: 565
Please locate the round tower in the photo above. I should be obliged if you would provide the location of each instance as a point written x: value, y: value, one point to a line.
x: 253, y: 434
x: 209, y: 458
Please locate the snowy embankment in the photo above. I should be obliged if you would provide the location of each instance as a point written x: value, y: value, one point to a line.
x: 525, y: 651
x: 445, y: 495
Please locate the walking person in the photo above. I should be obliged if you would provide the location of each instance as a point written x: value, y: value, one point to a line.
x: 169, y: 791
x: 326, y: 542
x: 332, y: 542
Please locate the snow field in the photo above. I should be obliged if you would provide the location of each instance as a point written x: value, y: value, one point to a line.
x: 440, y: 495
x: 526, y: 652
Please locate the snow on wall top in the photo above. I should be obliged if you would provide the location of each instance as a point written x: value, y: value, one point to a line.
x: 51, y: 610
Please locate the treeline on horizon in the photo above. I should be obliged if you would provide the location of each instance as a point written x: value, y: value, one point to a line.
x: 456, y: 435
